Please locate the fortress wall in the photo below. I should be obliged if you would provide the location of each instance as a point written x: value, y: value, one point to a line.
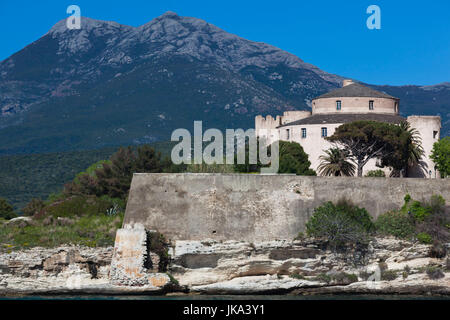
x: 429, y: 128
x: 253, y: 207
x: 355, y: 105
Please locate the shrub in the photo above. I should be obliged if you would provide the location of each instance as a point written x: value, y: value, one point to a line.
x: 434, y: 272
x: 297, y: 276
x: 436, y: 222
x: 340, y: 224
x: 33, y: 207
x: 438, y: 250
x: 345, y: 278
x: 172, y: 279
x: 407, y: 269
x: 389, y: 275
x: 6, y: 210
x: 424, y: 238
x: 323, y: 277
x: 376, y: 173
x: 396, y: 223
x: 428, y: 220
x: 421, y: 211
x: 157, y: 243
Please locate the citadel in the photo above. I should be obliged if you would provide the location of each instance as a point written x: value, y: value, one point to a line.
x: 350, y: 103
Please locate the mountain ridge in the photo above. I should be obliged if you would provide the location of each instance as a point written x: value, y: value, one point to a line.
x: 110, y: 84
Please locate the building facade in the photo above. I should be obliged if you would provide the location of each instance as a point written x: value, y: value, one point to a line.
x: 350, y: 103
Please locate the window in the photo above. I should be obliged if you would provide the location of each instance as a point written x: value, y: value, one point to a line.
x: 324, y: 132
x: 303, y: 133
x: 288, y: 134
x: 338, y: 105
x: 435, y: 134
x: 371, y: 105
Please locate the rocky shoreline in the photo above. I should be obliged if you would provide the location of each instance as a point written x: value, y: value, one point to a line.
x: 304, y: 267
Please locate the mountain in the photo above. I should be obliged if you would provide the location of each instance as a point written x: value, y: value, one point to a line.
x: 110, y: 84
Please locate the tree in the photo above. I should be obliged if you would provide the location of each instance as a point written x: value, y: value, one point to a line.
x: 409, y: 151
x: 335, y: 163
x: 365, y: 140
x: 113, y: 177
x: 441, y: 156
x: 33, y: 207
x: 6, y: 210
x: 293, y: 159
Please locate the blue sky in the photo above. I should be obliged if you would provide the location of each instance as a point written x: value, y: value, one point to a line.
x: 412, y: 46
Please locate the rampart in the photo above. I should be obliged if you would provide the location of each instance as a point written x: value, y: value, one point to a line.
x: 252, y: 207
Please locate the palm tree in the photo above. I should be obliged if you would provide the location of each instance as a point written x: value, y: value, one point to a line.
x: 415, y: 149
x: 335, y: 163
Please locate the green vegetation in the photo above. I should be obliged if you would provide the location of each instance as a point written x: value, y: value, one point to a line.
x: 92, y: 231
x: 158, y: 244
x: 396, y: 223
x: 24, y: 177
x: 33, y: 207
x: 407, y: 151
x: 6, y: 210
x: 210, y: 168
x: 80, y: 205
x: 344, y: 225
x: 389, y: 275
x: 297, y: 276
x: 441, y: 156
x: 428, y: 221
x: 376, y: 173
x: 293, y: 159
x: 424, y: 237
x: 396, y: 146
x: 88, y: 210
x: 340, y: 224
x: 341, y: 278
x: 434, y: 272
x: 113, y: 178
x: 335, y: 163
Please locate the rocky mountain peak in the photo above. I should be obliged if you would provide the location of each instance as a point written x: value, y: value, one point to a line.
x: 87, y: 25
x: 168, y: 14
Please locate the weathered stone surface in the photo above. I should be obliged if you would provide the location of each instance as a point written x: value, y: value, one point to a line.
x: 235, y: 267
x: 299, y: 266
x: 255, y: 285
x: 130, y: 251
x: 20, y: 221
x: 257, y: 208
x: 128, y: 267
x: 66, y: 270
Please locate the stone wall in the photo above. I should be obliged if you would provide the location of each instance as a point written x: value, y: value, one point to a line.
x: 355, y: 105
x: 253, y: 207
